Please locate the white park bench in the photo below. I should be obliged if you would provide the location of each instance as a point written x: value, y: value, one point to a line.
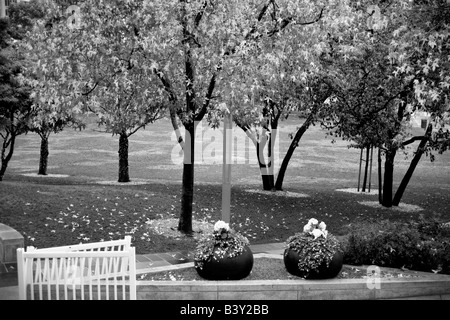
x: 91, y: 271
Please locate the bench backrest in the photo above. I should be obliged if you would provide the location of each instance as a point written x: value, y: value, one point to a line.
x: 112, y: 245
x: 87, y: 271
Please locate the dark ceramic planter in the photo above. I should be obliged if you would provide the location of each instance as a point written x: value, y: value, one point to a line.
x: 226, y: 268
x: 291, y: 258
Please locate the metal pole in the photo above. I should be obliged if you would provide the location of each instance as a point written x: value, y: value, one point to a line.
x: 226, y: 167
x: 2, y: 9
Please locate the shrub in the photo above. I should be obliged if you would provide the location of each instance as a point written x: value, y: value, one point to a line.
x: 421, y: 246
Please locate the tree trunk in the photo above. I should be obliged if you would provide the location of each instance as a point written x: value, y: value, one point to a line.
x: 187, y: 197
x: 289, y: 153
x: 420, y: 150
x: 388, y: 178
x: 264, y: 168
x: 3, y: 169
x: 176, y: 128
x: 123, y: 158
x: 366, y: 169
x: 267, y: 180
x: 380, y: 178
x: 43, y: 159
x: 5, y: 158
x: 266, y: 174
x: 391, y: 152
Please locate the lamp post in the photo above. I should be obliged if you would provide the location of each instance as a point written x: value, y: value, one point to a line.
x: 2, y: 9
x: 226, y: 166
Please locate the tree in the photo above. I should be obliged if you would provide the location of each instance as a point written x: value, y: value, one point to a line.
x: 280, y: 74
x: 376, y: 88
x: 45, y: 122
x: 202, y: 43
x: 425, y: 44
x: 261, y: 119
x: 92, y: 62
x: 23, y: 16
x: 193, y: 41
x: 207, y: 39
x: 15, y: 102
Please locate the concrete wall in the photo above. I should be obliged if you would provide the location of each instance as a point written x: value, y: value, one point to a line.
x: 335, y: 289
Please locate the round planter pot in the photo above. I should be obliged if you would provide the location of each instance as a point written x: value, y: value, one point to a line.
x: 226, y: 268
x: 291, y: 258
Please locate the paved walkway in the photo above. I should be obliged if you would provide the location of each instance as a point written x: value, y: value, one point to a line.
x: 144, y: 263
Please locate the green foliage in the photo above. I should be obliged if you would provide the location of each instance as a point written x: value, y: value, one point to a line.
x: 380, y: 77
x: 315, y: 246
x: 313, y: 252
x: 14, y: 95
x: 22, y: 15
x: 422, y: 246
x: 15, y: 102
x: 224, y: 241
x: 96, y: 64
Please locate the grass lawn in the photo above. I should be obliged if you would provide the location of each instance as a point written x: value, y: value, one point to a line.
x: 80, y: 201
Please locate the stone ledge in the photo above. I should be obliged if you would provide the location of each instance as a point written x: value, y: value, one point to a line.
x: 10, y: 241
x: 290, y: 290
x: 429, y: 285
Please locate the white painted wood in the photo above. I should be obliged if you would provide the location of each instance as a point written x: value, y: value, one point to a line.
x: 101, y: 270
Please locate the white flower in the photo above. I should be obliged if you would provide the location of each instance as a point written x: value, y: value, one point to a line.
x: 325, y: 233
x: 317, y: 233
x: 221, y: 225
x: 313, y: 221
x: 322, y: 226
x: 307, y: 228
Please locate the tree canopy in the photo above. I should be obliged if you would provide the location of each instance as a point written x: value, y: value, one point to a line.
x: 369, y: 64
x: 15, y: 102
x: 383, y: 74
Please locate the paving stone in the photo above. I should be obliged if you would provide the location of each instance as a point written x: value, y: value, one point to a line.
x: 166, y: 256
x: 160, y: 263
x: 143, y: 258
x: 143, y: 265
x: 177, y: 261
x: 154, y: 257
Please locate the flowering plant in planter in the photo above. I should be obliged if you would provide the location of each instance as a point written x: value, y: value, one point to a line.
x: 315, y: 248
x: 223, y: 242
